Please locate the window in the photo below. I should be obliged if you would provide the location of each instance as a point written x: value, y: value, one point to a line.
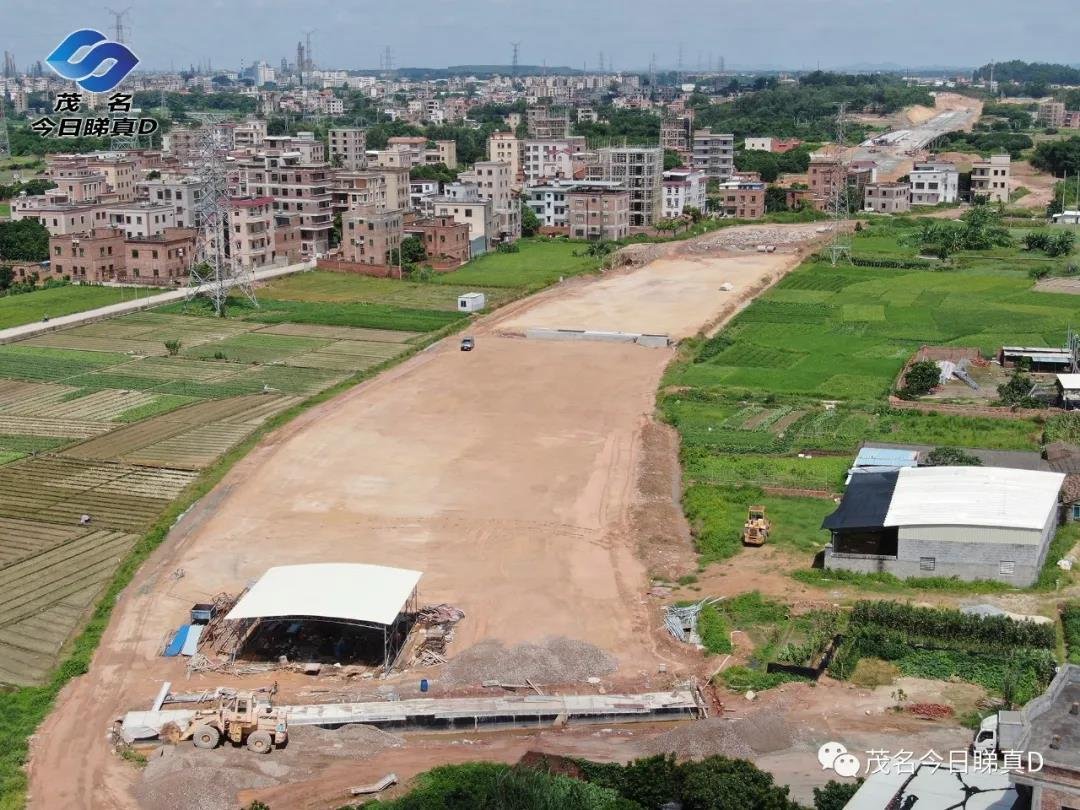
x: 134, y: 254
x: 1007, y: 568
x: 927, y: 563
x: 1076, y: 511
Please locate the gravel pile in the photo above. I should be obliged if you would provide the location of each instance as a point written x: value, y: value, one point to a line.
x: 554, y: 660
x: 750, y: 237
x: 180, y: 779
x: 352, y: 741
x: 759, y: 733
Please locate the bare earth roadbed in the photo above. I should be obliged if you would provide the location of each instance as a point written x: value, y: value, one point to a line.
x: 508, y: 475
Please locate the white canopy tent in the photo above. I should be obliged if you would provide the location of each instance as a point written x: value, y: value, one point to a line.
x: 371, y: 596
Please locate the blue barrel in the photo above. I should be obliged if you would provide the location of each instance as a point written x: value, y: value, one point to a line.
x: 423, y: 684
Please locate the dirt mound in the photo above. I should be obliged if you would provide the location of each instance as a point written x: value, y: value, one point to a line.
x: 759, y: 733
x: 353, y: 741
x: 554, y: 660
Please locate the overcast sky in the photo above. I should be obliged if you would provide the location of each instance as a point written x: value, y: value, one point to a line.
x: 435, y: 33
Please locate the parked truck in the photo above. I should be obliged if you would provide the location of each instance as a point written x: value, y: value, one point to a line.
x: 999, y: 732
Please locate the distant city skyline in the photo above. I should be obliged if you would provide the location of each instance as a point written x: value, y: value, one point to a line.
x: 785, y: 34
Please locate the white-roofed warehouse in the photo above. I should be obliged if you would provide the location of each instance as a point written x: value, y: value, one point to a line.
x: 294, y: 605
x: 965, y: 522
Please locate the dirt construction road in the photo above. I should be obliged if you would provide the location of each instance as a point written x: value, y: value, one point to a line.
x: 507, y: 475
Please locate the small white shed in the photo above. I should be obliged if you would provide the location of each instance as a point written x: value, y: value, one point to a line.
x: 471, y: 302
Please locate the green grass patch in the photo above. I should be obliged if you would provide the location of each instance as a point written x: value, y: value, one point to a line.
x: 745, y: 679
x: 536, y: 264
x: 24, y: 445
x: 349, y: 288
x: 882, y: 582
x: 717, y: 514
x: 713, y: 629
x: 32, y: 363
x: 254, y: 347
x: 163, y: 403
x: 5, y: 210
x: 364, y: 315
x: 16, y: 310
x: 1070, y: 625
x: 1051, y: 577
x: 10, y: 455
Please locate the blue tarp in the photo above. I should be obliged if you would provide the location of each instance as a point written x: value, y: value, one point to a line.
x: 177, y: 644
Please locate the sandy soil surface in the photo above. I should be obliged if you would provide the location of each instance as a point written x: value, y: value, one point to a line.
x: 1040, y: 184
x: 957, y: 101
x: 509, y: 476
x: 669, y: 297
x: 917, y: 114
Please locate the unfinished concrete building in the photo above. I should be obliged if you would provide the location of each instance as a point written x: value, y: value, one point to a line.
x: 677, y: 134
x: 348, y: 148
x: 714, y: 154
x: 639, y: 170
x: 543, y: 121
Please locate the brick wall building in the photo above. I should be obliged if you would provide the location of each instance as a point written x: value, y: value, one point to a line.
x: 163, y: 260
x: 92, y: 257
x: 446, y: 241
x: 597, y: 213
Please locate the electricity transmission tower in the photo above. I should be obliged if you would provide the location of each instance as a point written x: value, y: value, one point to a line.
x: 214, y: 271
x: 119, y: 31
x: 121, y: 143
x: 840, y: 246
x: 514, y: 64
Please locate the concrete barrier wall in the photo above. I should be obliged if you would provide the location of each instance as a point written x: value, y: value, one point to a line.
x: 649, y: 341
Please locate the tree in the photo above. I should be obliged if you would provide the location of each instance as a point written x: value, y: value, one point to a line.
x: 719, y: 783
x: 435, y: 172
x: 26, y: 240
x: 1017, y: 391
x: 922, y: 377
x: 694, y: 213
x: 775, y: 199
x: 1058, y: 157
x: 412, y: 250
x: 951, y: 457
x: 672, y: 160
x: 835, y: 795
x: 7, y: 275
x: 530, y: 222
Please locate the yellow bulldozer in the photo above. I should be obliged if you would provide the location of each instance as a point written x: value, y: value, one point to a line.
x: 243, y: 718
x: 756, y: 529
